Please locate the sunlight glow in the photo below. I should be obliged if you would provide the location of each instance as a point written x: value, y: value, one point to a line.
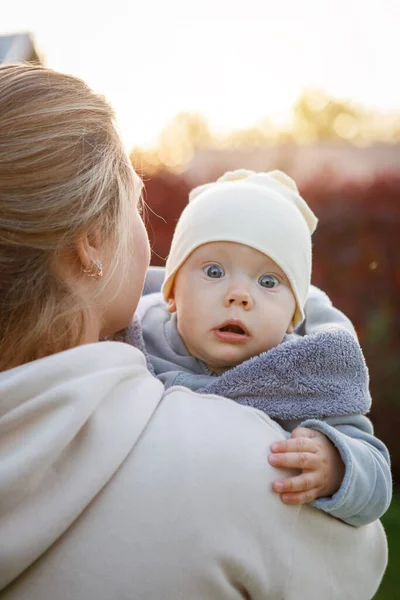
x: 232, y: 62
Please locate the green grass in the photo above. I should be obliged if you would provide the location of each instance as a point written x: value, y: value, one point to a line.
x: 390, y: 587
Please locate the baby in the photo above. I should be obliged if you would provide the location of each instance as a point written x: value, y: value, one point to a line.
x: 237, y: 318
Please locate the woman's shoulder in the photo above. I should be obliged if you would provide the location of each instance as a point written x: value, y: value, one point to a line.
x: 219, y: 433
x: 219, y: 408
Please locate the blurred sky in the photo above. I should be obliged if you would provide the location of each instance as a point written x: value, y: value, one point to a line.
x: 235, y: 61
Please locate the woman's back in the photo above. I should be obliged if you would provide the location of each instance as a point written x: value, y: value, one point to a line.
x: 120, y: 490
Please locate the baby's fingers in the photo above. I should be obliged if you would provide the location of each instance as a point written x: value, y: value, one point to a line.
x: 294, y: 460
x: 295, y: 444
x: 299, y: 497
x: 301, y: 483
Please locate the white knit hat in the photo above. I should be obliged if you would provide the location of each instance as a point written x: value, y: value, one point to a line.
x: 262, y: 210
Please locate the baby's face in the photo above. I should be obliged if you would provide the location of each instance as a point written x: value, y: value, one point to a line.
x: 232, y: 303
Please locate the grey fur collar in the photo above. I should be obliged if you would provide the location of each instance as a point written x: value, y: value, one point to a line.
x: 316, y: 376
x: 133, y: 336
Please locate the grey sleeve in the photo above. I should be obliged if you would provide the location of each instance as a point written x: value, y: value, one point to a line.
x: 154, y: 280
x: 366, y: 490
x: 320, y: 312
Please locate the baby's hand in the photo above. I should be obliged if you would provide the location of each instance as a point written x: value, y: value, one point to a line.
x: 322, y: 469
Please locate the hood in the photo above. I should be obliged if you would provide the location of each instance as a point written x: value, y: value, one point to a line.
x: 67, y: 422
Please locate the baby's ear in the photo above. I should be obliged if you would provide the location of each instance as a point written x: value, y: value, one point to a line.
x: 171, y: 304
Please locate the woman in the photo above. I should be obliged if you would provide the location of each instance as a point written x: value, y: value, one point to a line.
x: 111, y: 487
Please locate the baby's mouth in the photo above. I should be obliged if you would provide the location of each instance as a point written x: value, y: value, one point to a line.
x: 233, y: 329
x: 232, y: 332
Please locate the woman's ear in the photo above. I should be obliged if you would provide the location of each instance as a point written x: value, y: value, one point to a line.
x: 87, y: 249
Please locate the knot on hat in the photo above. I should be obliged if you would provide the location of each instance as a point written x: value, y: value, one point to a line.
x: 283, y: 178
x: 275, y: 180
x: 236, y: 175
x: 240, y: 174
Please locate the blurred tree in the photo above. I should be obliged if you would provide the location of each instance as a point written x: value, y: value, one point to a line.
x: 262, y: 133
x: 315, y: 117
x: 186, y: 133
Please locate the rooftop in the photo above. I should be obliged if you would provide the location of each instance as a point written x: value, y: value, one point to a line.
x: 18, y: 47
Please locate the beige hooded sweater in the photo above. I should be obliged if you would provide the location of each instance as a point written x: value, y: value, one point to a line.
x: 112, y: 488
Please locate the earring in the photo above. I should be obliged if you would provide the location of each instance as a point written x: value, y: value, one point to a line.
x: 95, y: 271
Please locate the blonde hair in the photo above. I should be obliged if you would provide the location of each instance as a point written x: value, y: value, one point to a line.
x: 63, y: 170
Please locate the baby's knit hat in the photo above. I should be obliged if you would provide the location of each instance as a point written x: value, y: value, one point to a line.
x: 262, y: 210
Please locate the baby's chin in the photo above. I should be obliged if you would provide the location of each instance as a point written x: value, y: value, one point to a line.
x: 220, y: 362
x: 222, y: 359
x: 220, y: 365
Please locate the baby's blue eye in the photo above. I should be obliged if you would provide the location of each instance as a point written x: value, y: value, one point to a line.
x: 214, y: 271
x: 268, y: 281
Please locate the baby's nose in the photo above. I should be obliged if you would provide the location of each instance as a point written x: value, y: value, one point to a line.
x: 239, y: 297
